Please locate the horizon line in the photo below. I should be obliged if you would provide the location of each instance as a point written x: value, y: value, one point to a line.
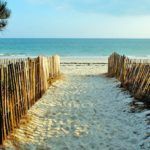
x: 75, y: 38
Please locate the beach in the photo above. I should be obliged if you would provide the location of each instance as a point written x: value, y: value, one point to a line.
x: 74, y: 75
x: 83, y: 110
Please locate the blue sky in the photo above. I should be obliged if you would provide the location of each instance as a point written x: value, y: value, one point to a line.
x: 78, y: 18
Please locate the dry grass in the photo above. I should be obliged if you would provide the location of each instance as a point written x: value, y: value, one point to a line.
x: 54, y: 79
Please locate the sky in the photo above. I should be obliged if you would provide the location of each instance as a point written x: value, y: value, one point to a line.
x: 78, y: 19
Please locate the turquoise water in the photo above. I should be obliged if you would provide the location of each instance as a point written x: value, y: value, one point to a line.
x: 74, y: 47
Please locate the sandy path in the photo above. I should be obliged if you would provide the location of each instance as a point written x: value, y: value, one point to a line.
x: 85, y: 111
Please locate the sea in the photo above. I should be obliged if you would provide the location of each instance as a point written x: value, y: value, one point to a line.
x: 71, y: 47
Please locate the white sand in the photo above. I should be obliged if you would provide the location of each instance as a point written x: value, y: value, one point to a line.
x: 102, y: 59
x: 83, y: 112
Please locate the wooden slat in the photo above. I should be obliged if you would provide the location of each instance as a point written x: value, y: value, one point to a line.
x: 134, y: 75
x: 22, y: 83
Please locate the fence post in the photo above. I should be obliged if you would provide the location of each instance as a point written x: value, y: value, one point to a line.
x: 21, y: 84
x: 1, y: 109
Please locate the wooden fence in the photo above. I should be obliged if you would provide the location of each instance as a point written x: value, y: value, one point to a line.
x: 133, y: 74
x: 22, y: 83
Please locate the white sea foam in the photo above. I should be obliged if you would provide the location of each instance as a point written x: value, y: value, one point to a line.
x: 140, y: 57
x: 9, y: 56
x: 70, y: 59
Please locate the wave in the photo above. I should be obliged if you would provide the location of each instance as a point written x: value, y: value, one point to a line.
x: 140, y: 57
x: 23, y: 55
x: 14, y: 55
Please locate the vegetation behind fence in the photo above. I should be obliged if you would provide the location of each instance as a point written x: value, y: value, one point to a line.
x: 22, y: 83
x: 133, y: 74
